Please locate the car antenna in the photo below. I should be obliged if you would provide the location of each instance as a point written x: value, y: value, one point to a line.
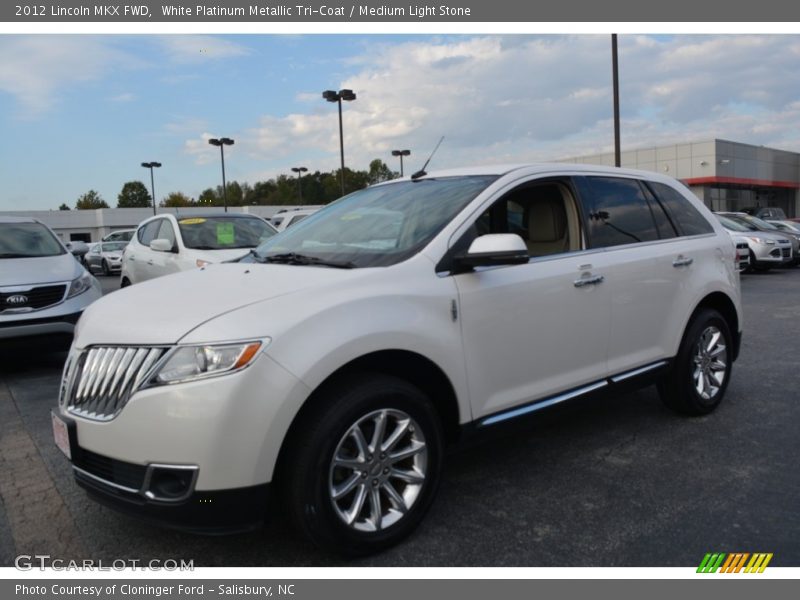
x: 421, y: 172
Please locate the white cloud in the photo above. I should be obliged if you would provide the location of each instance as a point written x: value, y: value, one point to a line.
x: 124, y: 97
x: 515, y: 98
x: 200, y: 48
x: 35, y: 68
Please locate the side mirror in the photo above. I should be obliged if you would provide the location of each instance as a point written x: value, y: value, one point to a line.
x: 77, y: 249
x: 493, y: 250
x: 161, y: 245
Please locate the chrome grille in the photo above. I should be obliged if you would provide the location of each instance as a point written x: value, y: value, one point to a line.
x: 103, y: 378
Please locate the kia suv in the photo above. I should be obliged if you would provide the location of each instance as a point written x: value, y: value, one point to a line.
x: 332, y: 366
x: 43, y: 289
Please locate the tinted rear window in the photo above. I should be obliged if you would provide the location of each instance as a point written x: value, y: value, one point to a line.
x: 686, y: 216
x: 617, y: 211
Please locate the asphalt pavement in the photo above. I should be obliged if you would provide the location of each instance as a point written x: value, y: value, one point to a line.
x: 617, y: 482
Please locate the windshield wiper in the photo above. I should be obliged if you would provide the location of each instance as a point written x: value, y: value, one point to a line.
x: 14, y: 255
x: 292, y: 258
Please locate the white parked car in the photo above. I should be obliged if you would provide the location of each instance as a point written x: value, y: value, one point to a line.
x: 285, y: 219
x: 43, y: 289
x: 332, y: 366
x: 166, y: 244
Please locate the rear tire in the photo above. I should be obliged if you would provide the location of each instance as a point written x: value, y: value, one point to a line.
x: 700, y: 374
x: 125, y: 282
x: 364, y: 465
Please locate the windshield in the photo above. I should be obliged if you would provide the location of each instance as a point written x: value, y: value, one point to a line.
x: 114, y: 246
x: 224, y: 233
x: 737, y: 224
x: 377, y: 226
x: 27, y: 240
x: 787, y: 227
x: 760, y: 223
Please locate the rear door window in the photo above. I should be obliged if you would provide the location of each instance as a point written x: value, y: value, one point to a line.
x: 684, y: 215
x: 617, y: 211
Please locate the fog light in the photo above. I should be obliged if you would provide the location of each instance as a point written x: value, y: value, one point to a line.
x: 170, y: 484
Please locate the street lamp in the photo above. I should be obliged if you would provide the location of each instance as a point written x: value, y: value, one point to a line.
x: 299, y: 171
x: 332, y: 96
x: 222, y: 142
x: 615, y: 85
x: 401, y: 154
x: 150, y: 165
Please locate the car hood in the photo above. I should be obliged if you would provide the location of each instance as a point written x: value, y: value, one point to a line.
x: 38, y: 270
x: 165, y: 309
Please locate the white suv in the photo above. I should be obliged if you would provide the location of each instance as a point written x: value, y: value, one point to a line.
x: 166, y: 244
x: 334, y: 364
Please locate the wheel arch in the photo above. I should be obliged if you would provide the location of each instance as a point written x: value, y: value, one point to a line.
x: 721, y: 303
x: 403, y: 364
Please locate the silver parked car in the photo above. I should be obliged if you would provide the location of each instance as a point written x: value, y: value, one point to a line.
x: 43, y: 289
x: 767, y: 249
x: 105, y: 257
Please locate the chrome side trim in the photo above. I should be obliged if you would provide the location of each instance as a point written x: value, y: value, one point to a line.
x: 105, y: 481
x: 639, y: 371
x: 143, y: 491
x: 517, y: 412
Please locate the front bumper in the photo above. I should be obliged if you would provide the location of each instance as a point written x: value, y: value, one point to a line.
x: 53, y: 320
x: 123, y: 486
x: 229, y: 427
x: 771, y: 254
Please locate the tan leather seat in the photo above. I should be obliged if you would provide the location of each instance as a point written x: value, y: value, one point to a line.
x: 547, y: 226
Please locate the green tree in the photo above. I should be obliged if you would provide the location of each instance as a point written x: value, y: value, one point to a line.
x: 134, y: 194
x: 90, y: 200
x: 208, y: 197
x: 379, y: 172
x: 63, y: 206
x: 174, y: 199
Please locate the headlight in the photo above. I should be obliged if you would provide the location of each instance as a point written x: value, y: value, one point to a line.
x: 759, y: 240
x: 186, y: 363
x: 80, y: 285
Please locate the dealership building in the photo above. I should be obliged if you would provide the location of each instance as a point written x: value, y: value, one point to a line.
x: 725, y: 175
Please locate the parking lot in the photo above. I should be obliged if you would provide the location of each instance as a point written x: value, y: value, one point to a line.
x: 619, y: 482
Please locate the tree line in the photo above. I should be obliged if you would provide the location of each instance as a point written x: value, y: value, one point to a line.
x: 311, y: 188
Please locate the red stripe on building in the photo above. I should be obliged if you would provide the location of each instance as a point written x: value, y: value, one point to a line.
x: 742, y: 181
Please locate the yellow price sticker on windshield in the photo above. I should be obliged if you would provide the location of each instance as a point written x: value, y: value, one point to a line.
x: 195, y: 221
x: 225, y: 233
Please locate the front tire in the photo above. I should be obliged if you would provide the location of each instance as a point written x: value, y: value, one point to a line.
x: 106, y: 270
x: 365, y: 464
x: 699, y: 377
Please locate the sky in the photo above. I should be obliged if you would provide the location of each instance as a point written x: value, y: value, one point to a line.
x: 82, y: 112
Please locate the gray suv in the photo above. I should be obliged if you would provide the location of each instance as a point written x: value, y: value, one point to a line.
x: 43, y: 289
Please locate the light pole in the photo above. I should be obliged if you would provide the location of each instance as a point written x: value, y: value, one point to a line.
x: 615, y: 81
x: 299, y: 171
x: 333, y: 96
x: 401, y: 154
x: 222, y: 142
x: 150, y: 165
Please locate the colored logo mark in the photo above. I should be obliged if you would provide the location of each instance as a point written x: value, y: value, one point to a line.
x: 735, y: 562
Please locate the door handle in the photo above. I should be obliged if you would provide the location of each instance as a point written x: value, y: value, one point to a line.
x: 590, y: 280
x: 149, y: 262
x: 682, y: 261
